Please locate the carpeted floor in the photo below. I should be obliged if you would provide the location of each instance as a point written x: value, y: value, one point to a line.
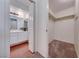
x: 60, y: 49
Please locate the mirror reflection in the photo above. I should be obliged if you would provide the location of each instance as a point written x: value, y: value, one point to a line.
x: 18, y: 19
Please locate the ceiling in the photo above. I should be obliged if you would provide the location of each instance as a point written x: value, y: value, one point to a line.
x: 23, y: 4
x: 59, y: 5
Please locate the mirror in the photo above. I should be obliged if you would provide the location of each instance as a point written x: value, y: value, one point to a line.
x: 13, y: 24
x: 18, y: 24
x: 18, y: 19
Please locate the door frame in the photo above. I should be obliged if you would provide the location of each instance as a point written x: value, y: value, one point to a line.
x: 34, y: 18
x: 76, y: 33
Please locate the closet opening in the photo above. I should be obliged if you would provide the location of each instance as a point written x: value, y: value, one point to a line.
x: 61, y: 29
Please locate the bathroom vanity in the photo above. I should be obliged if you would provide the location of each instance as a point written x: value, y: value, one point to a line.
x: 18, y: 29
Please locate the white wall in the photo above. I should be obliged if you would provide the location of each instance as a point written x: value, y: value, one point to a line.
x: 51, y: 29
x: 4, y: 29
x: 61, y: 24
x: 66, y: 12
x: 42, y: 25
x: 64, y: 30
x: 18, y: 4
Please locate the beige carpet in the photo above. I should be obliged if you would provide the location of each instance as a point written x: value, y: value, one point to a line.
x: 60, y: 49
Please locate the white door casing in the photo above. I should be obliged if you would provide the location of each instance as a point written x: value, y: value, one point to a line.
x: 31, y: 26
x: 76, y: 33
x: 4, y: 29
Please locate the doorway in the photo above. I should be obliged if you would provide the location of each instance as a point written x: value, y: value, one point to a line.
x: 61, y: 29
x: 22, y: 28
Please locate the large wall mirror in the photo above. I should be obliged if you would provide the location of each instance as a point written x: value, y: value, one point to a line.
x: 18, y: 24
x: 18, y: 19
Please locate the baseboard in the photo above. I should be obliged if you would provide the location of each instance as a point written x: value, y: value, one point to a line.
x: 62, y: 41
x: 31, y: 52
x: 26, y: 41
x: 39, y: 54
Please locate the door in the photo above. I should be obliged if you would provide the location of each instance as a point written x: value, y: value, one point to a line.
x: 31, y: 26
x: 42, y: 27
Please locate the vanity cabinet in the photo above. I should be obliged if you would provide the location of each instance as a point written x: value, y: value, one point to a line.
x: 18, y: 37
